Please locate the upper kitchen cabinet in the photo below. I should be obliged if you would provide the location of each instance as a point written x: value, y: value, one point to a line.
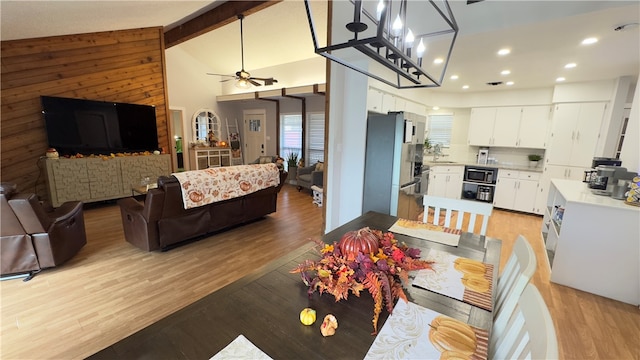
x: 381, y: 102
x: 574, y: 134
x: 511, y: 126
x: 481, y: 126
x: 534, y: 127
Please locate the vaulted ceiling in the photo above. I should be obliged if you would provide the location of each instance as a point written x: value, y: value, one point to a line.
x: 543, y: 35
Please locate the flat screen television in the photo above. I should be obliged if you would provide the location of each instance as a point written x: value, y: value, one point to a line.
x: 98, y: 127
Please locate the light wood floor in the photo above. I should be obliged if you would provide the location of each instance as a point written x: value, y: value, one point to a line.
x: 111, y: 289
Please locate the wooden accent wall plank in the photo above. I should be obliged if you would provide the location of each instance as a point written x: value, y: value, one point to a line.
x: 120, y: 66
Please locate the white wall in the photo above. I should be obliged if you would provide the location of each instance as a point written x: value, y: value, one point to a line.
x: 189, y: 87
x: 630, y: 154
x: 346, y: 147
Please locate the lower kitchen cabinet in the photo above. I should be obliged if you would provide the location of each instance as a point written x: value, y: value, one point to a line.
x: 516, y: 190
x: 592, y: 241
x: 445, y: 181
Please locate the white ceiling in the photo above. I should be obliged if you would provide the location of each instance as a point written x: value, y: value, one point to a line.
x: 543, y: 36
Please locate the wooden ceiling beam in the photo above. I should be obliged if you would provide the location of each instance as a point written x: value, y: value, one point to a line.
x: 217, y: 17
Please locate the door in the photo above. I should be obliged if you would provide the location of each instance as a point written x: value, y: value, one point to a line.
x: 179, y: 160
x: 534, y: 125
x: 525, y: 195
x: 481, y: 126
x: 563, y: 134
x: 505, y: 192
x: 254, y: 130
x: 505, y: 128
x: 587, y: 132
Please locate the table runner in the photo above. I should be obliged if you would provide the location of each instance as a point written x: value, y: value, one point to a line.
x: 241, y: 348
x: 446, y: 278
x: 408, y: 334
x: 425, y: 231
x: 202, y: 187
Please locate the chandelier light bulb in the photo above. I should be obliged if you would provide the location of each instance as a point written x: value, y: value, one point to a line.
x: 410, y: 38
x: 421, y: 49
x: 396, y: 28
x: 379, y: 9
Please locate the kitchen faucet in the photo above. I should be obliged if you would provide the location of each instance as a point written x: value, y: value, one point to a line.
x: 437, y: 152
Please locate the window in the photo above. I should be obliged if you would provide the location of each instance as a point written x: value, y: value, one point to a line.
x: 315, y: 138
x: 439, y: 130
x: 290, y: 135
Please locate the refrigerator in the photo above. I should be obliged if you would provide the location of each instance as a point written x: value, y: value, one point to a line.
x: 393, y: 163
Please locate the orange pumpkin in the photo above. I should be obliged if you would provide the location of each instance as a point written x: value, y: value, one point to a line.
x: 362, y: 240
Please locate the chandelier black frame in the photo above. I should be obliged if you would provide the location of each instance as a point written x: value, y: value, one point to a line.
x: 387, y: 49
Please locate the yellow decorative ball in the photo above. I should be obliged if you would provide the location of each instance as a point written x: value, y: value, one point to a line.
x: 307, y: 316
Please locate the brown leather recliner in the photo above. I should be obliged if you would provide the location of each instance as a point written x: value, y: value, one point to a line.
x: 16, y: 249
x: 55, y: 236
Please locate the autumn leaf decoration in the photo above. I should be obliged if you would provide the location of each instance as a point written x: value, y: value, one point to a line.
x: 382, y: 274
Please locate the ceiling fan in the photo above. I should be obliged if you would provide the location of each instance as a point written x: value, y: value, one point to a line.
x: 244, y: 79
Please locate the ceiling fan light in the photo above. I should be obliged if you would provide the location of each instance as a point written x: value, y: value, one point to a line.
x: 243, y: 84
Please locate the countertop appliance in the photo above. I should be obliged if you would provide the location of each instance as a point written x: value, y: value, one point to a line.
x: 609, y: 179
x: 482, y: 175
x: 483, y: 156
x: 393, y: 171
x: 592, y: 178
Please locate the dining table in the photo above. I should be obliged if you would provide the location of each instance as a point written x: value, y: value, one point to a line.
x: 264, y: 307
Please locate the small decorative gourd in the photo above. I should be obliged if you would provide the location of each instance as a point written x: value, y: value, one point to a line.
x: 362, y: 240
x: 329, y: 325
x: 307, y: 316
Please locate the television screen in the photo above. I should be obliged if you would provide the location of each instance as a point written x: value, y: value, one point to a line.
x: 98, y: 127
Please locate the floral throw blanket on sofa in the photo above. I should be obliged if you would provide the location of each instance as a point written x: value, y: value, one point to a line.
x: 202, y: 187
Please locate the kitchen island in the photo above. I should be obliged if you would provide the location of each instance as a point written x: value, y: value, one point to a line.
x: 592, y: 241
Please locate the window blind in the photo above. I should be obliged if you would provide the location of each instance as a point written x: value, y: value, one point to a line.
x: 440, y: 129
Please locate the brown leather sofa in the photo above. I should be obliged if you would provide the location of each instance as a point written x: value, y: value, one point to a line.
x: 161, y: 222
x: 33, y: 238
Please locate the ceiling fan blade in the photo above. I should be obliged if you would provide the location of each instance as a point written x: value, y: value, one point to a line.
x: 231, y: 76
x: 267, y: 81
x: 253, y: 82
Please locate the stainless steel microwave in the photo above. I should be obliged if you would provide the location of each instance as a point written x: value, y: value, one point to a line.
x: 481, y: 175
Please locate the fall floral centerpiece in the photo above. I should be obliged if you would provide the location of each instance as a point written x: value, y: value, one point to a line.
x: 363, y: 259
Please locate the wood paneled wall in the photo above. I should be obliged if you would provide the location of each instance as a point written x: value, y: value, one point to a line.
x: 121, y: 66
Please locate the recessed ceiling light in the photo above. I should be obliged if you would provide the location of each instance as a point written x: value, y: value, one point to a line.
x: 454, y: 77
x: 503, y: 52
x: 436, y: 108
x: 465, y: 87
x: 560, y: 79
x: 589, y: 41
x: 438, y: 61
x: 570, y: 66
x: 509, y: 83
x: 505, y: 72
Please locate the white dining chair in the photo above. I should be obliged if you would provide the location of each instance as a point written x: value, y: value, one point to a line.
x: 515, y: 276
x: 529, y: 334
x: 474, y: 208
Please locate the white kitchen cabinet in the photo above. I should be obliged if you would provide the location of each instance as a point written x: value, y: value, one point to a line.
x: 509, y: 126
x: 445, y: 181
x: 574, y: 134
x: 516, y: 190
x: 506, y: 125
x: 388, y: 103
x: 481, y: 126
x: 593, y: 246
x: 534, y: 127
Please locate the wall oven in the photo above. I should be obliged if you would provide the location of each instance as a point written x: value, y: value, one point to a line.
x: 480, y: 175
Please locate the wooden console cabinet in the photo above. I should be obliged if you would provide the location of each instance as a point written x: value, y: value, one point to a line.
x: 206, y: 157
x: 95, y: 179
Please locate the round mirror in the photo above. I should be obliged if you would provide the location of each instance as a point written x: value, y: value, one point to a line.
x: 206, y: 126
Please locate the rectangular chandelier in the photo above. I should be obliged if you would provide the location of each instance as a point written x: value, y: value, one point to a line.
x: 404, y: 44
